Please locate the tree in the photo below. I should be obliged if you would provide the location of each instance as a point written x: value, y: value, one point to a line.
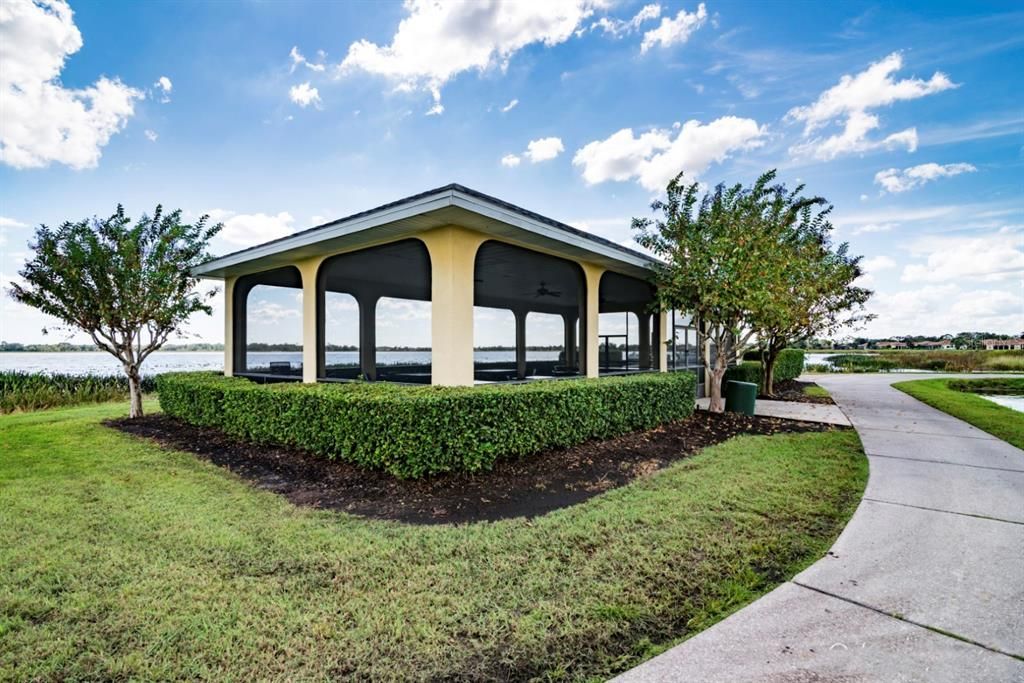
x: 724, y: 259
x: 128, y: 287
x: 815, y: 296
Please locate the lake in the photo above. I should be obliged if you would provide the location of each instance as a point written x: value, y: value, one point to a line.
x: 98, y: 362
x: 1012, y: 402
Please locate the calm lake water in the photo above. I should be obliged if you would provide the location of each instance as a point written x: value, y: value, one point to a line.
x: 1014, y: 402
x: 83, y: 362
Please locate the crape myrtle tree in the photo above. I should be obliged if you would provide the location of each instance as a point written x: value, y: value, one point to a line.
x: 129, y: 287
x: 815, y: 294
x: 724, y: 256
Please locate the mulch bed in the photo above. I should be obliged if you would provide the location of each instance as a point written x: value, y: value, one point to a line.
x: 526, y: 487
x: 793, y: 390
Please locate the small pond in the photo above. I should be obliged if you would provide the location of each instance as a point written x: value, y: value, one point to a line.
x: 1012, y: 402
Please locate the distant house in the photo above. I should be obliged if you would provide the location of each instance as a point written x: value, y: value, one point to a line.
x: 890, y: 344
x: 944, y: 344
x: 1003, y: 344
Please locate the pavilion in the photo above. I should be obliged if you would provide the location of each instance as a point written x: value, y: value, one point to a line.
x: 456, y: 248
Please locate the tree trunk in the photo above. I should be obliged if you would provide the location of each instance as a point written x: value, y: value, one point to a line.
x: 715, y: 390
x: 134, y: 394
x: 769, y: 373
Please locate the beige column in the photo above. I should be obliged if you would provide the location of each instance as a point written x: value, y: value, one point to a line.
x: 664, y: 334
x: 589, y: 344
x: 229, y: 325
x: 452, y: 257
x: 310, y: 318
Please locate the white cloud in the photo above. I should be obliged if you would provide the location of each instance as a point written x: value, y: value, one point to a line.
x: 674, y: 31
x: 848, y: 103
x: 895, y: 180
x: 655, y: 157
x: 874, y: 227
x: 620, y: 27
x: 247, y: 230
x: 437, y: 41
x: 878, y: 263
x: 151, y: 135
x: 271, y: 312
x: 164, y: 85
x: 298, y: 59
x: 8, y: 224
x: 511, y: 160
x: 992, y: 257
x: 544, y: 149
x: 510, y: 106
x: 304, y: 95
x: 41, y: 121
x: 944, y: 308
x: 435, y: 110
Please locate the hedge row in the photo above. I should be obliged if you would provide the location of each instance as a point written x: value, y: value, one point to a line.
x: 788, y: 365
x: 413, y: 431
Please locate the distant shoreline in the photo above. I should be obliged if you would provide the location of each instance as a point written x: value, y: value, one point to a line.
x: 274, y: 349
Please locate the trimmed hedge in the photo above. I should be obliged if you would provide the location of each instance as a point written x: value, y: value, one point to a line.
x: 788, y: 365
x: 413, y: 431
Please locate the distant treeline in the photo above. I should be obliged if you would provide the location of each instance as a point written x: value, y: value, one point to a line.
x: 256, y: 346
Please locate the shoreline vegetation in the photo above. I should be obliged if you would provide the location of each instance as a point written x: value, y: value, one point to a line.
x: 934, y: 361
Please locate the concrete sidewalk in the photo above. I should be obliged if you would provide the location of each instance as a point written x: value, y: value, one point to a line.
x: 926, y: 583
x: 794, y: 410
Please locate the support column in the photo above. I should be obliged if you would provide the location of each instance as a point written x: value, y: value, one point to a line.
x: 589, y: 344
x: 368, y: 335
x: 662, y: 340
x: 644, y: 334
x: 520, y: 315
x: 452, y: 258
x: 312, y: 320
x: 229, y: 325
x: 570, y: 339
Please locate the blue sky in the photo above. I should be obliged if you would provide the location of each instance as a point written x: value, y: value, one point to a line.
x: 274, y: 116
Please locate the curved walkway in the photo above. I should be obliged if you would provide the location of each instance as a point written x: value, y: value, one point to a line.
x: 926, y: 583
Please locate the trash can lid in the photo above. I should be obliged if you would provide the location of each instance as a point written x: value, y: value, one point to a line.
x: 742, y: 384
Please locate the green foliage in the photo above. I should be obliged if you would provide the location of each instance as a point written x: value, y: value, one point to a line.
x: 789, y: 364
x: 413, y: 431
x: 37, y: 390
x: 129, y: 287
x: 123, y: 560
x: 999, y: 421
x: 997, y: 386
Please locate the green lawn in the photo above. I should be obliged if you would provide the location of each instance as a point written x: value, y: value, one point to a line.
x: 997, y: 420
x: 816, y: 391
x: 120, y: 560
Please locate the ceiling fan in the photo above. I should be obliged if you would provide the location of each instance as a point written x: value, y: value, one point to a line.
x: 544, y: 291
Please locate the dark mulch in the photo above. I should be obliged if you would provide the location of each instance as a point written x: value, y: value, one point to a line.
x: 793, y: 390
x: 525, y: 487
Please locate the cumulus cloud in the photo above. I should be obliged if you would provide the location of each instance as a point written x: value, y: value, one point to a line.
x: 510, y: 106
x: 895, y: 180
x: 151, y: 135
x: 620, y: 27
x: 942, y: 308
x: 299, y: 60
x: 6, y: 226
x: 437, y: 41
x: 511, y: 160
x: 246, y: 230
x: 544, y: 149
x: 674, y: 31
x: 304, y: 95
x: 164, y: 86
x: 848, y: 104
x: 654, y: 157
x: 41, y: 121
x: 993, y: 257
x: 878, y: 263
x: 272, y: 312
x: 874, y: 227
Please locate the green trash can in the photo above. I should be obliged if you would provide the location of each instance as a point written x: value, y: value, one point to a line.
x: 740, y: 397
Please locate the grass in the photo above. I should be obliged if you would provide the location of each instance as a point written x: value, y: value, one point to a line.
x: 39, y: 390
x: 999, y: 421
x: 121, y: 560
x: 816, y: 391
